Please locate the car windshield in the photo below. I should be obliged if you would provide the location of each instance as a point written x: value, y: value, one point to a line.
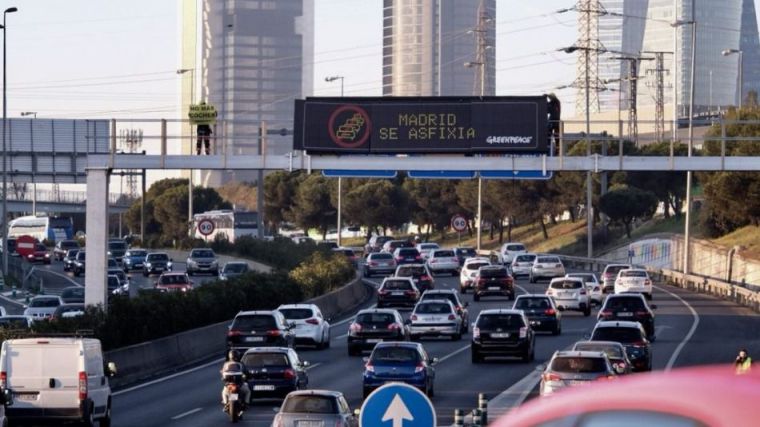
x: 411, y: 271
x: 585, y: 277
x: 493, y: 272
x: 375, y: 318
x: 68, y: 244
x: 256, y: 322
x: 443, y: 254
x: 525, y: 258
x: 113, y: 282
x: 81, y: 256
x: 202, y: 253
x: 174, y: 279
x: 296, y: 313
x: 427, y: 296
x: 158, y: 257
x: 466, y: 252
x: 532, y: 303
x: 625, y: 304
x: 310, y: 405
x: 346, y: 252
x: 235, y: 268
x: 633, y: 273
x: 515, y: 248
x: 429, y: 246
x: 488, y: 321
x: 72, y: 293
x: 44, y: 302
x: 138, y: 253
x: 621, y: 335
x: 579, y: 365
x: 433, y: 308
x: 395, y: 355
x: 379, y: 256
x: 112, y: 263
x: 614, y: 269
x: 117, y: 245
x: 402, y: 285
x: 567, y: 284
x: 265, y: 359
x: 476, y: 265
x: 40, y: 247
x: 72, y: 253
x: 548, y: 260
x: 408, y: 252
x: 612, y: 352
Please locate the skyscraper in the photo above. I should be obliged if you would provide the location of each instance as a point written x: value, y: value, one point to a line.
x: 427, y: 42
x: 253, y: 57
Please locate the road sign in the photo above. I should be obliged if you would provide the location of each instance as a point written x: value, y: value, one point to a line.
x: 442, y: 174
x: 206, y: 227
x: 346, y: 173
x: 397, y: 405
x: 458, y: 223
x: 530, y: 174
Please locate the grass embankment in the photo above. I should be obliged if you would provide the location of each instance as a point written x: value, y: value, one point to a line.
x: 748, y: 237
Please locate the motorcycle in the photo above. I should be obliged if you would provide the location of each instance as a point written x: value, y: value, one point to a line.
x: 234, y: 407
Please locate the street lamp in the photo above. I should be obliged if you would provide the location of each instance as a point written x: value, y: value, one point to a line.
x: 29, y: 113
x: 331, y: 79
x: 5, y: 153
x: 729, y: 52
x: 190, y: 178
x: 34, y: 178
x: 479, y: 237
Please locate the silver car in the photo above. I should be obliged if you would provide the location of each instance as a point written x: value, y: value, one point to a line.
x: 436, y: 317
x: 315, y: 408
x: 522, y: 264
x: 546, y: 267
x: 573, y: 368
x: 233, y: 269
x: 202, y: 260
x: 42, y: 306
x: 569, y: 293
x: 593, y: 287
x: 443, y: 261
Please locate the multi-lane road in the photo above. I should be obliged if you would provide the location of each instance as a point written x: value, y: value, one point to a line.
x: 691, y: 329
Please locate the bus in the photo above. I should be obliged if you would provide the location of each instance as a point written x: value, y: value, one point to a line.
x: 227, y: 224
x: 42, y: 228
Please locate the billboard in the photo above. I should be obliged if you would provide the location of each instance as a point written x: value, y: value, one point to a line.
x: 399, y: 125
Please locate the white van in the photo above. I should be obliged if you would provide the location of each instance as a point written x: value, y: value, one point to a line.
x: 56, y: 379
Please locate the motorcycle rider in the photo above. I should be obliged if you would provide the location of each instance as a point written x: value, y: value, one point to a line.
x: 743, y: 362
x: 234, y: 370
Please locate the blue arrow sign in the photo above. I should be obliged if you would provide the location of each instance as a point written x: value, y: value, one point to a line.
x: 442, y: 174
x: 530, y: 174
x: 348, y: 173
x: 397, y: 405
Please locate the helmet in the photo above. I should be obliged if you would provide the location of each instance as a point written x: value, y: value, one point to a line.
x: 233, y: 355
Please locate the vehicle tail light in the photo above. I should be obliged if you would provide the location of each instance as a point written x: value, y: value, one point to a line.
x: 524, y: 332
x: 558, y: 265
x: 550, y: 312
x: 233, y: 333
x: 452, y: 317
x: 3, y: 380
x: 606, y: 313
x: 424, y: 277
x: 641, y: 314
x: 639, y: 344
x: 419, y: 368
x: 605, y: 377
x: 583, y: 292
x: 551, y: 377
x: 418, y: 257
x: 410, y: 293
x: 399, y: 258
x: 369, y: 368
x: 289, y: 374
x: 274, y: 333
x: 382, y: 292
x: 394, y: 327
x: 549, y: 292
x: 433, y: 261
x: 459, y: 310
x: 647, y: 282
x: 82, y: 385
x: 277, y: 422
x: 355, y: 327
x: 596, y: 288
x: 312, y: 321
x: 413, y: 317
x: 476, y: 332
x: 372, y: 264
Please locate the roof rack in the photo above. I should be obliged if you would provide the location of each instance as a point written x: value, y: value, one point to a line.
x: 22, y: 333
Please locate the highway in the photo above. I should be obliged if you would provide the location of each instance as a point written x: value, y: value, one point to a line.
x: 691, y: 329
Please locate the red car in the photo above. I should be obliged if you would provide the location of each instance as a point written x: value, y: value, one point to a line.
x: 174, y: 282
x: 712, y: 396
x: 38, y: 254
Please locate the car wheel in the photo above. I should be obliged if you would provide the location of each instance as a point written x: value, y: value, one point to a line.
x: 366, y: 273
x: 89, y: 417
x: 146, y: 274
x: 475, y: 297
x: 557, y: 330
x: 476, y: 357
x: 326, y: 340
x: 587, y: 311
x: 531, y: 279
x: 106, y: 420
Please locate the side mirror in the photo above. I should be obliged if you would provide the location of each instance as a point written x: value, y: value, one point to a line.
x: 112, y: 369
x: 619, y: 369
x: 357, y: 413
x: 8, y: 397
x: 305, y: 364
x: 653, y: 306
x: 433, y: 361
x: 365, y: 359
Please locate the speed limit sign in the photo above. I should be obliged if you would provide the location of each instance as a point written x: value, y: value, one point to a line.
x: 458, y: 223
x: 206, y: 227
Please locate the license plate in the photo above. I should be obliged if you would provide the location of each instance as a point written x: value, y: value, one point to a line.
x: 263, y: 387
x: 233, y: 397
x: 374, y: 341
x: 309, y: 424
x: 159, y: 269
x: 625, y: 314
x: 501, y: 335
x: 493, y: 288
x: 25, y: 396
x: 254, y: 339
x: 397, y: 294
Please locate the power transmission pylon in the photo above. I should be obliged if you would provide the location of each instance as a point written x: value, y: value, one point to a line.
x: 659, y: 91
x: 131, y: 142
x: 588, y: 64
x: 481, y: 45
x: 633, y: 94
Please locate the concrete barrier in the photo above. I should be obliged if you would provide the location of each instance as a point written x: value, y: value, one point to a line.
x: 141, y: 361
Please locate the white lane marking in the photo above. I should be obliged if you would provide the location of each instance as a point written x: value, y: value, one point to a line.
x: 454, y: 353
x: 184, y: 414
x: 340, y: 337
x: 51, y: 271
x: 514, y: 395
x: 688, y: 336
x: 12, y: 301
x: 167, y: 378
x: 308, y: 368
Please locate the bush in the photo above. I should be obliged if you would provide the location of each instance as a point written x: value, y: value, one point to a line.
x: 322, y: 273
x: 281, y: 253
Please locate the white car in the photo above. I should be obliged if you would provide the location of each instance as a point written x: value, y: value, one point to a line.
x: 593, y: 287
x: 310, y: 326
x: 435, y: 317
x: 546, y: 267
x: 522, y: 264
x: 43, y: 306
x: 569, y: 293
x: 443, y: 261
x: 425, y: 248
x: 509, y: 250
x: 634, y: 280
x: 469, y: 271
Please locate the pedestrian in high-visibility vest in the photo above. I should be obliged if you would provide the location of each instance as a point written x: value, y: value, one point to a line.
x: 743, y: 362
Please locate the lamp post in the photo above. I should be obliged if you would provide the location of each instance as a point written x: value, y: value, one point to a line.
x: 331, y: 79
x: 190, y: 178
x: 5, y: 153
x: 34, y: 177
x: 479, y: 237
x: 739, y: 52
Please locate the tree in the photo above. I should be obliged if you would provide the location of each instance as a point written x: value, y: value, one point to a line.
x: 622, y: 204
x: 242, y: 195
x: 432, y: 202
x: 170, y: 209
x: 152, y: 227
x: 668, y: 187
x: 312, y: 207
x: 376, y: 203
x: 279, y: 196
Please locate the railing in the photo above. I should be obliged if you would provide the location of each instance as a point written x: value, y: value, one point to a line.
x: 71, y: 197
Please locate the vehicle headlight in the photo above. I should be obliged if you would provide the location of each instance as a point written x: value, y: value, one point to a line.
x: 214, y: 262
x: 147, y: 264
x: 169, y: 264
x: 190, y: 262
x: 47, y: 255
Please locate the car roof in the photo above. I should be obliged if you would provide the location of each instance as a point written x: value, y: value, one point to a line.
x: 617, y: 324
x: 46, y: 297
x: 312, y: 392
x: 311, y: 306
x: 605, y: 343
x: 407, y: 344
x: 524, y: 296
x: 410, y: 265
x: 267, y: 350
x: 174, y: 273
x: 565, y: 278
x: 258, y: 312
x: 576, y: 353
x: 435, y: 301
x: 477, y: 259
x: 625, y: 295
x: 378, y: 310
x: 158, y: 253
x: 501, y: 311
x: 440, y: 292
x: 635, y: 269
x: 493, y: 267
x: 617, y: 265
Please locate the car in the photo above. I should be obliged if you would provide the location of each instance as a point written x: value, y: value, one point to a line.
x: 134, y: 259
x: 72, y: 387
x: 405, y: 362
x: 469, y: 271
x: 397, y: 291
x: 233, y: 269
x: 509, y: 250
x: 62, y: 247
x: 419, y: 273
x: 67, y: 311
x: 274, y: 371
x: 69, y: 258
x: 502, y: 333
x: 634, y: 280
x: 371, y: 326
x: 569, y: 293
x: 156, y: 263
x: 73, y: 295
x: 202, y: 260
x: 301, y: 240
x: 113, y: 283
x: 317, y: 407
x: 42, y: 306
x: 435, y: 317
x: 522, y: 264
x: 376, y: 243
x: 453, y: 297
x: 328, y: 244
x: 114, y: 269
x: 349, y: 254
x: 541, y: 312
x: 610, y: 274
x: 117, y: 248
x: 425, y: 248
x: 593, y: 287
x: 633, y: 337
x: 379, y: 263
x: 407, y: 256
x: 464, y: 252
x: 15, y: 321
x: 258, y: 329
x: 39, y: 254
x: 78, y: 267
x: 443, y: 261
x: 574, y: 368
x: 310, y: 325
x: 174, y: 282
x: 391, y: 245
x: 546, y: 267
x: 631, y: 307
x: 615, y: 353
x: 493, y: 280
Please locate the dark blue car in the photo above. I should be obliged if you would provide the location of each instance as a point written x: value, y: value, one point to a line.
x: 405, y: 362
x: 274, y: 372
x: 134, y: 259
